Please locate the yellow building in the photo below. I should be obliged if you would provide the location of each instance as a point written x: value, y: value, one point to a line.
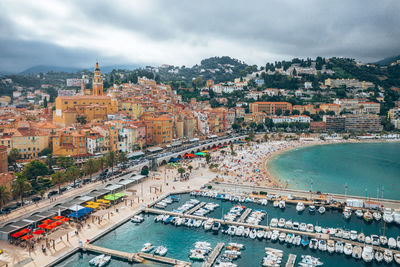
x: 159, y: 130
x: 330, y: 107
x: 94, y: 108
x: 29, y: 141
x: 69, y: 143
x: 132, y: 109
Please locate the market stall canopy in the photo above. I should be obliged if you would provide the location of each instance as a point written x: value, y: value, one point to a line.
x: 114, y: 196
x: 47, y: 214
x: 86, y: 198
x: 47, y: 221
x: 22, y: 224
x: 114, y: 187
x: 174, y: 159
x: 80, y: 213
x: 38, y: 232
x: 64, y: 219
x: 57, y: 217
x: 34, y: 218
x: 137, y: 178
x: 26, y: 237
x: 76, y: 207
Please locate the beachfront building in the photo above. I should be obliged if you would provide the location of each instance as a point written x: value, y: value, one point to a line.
x: 334, y: 123
x: 362, y: 123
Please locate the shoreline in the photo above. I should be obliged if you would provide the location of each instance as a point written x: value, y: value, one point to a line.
x: 276, y: 181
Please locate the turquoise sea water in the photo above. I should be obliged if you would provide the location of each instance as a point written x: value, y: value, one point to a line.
x: 365, y: 168
x: 130, y: 237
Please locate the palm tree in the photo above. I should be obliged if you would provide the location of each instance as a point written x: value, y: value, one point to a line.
x: 20, y: 186
x: 101, y: 162
x: 5, y: 195
x: 190, y: 167
x: 208, y: 158
x: 181, y: 171
x: 72, y: 174
x: 266, y: 137
x: 90, y: 167
x: 110, y: 159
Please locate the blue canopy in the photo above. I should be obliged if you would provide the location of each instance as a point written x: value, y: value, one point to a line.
x: 174, y: 160
x: 80, y: 213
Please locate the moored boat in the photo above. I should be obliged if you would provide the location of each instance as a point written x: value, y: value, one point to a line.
x: 388, y: 256
x: 368, y: 216
x: 367, y: 254
x: 300, y: 206
x: 357, y: 251
x: 378, y: 256
x: 321, y: 210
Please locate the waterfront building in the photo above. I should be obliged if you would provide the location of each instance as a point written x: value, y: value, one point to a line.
x: 362, y: 122
x: 159, y: 129
x: 334, y: 123
x: 317, y: 126
x: 394, y: 117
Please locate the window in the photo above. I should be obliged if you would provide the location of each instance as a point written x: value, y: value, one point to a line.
x: 66, y: 102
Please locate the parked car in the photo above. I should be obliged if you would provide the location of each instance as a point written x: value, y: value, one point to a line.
x: 52, y: 193
x: 36, y: 199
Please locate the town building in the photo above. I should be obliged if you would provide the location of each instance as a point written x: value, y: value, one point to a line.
x: 362, y: 123
x: 270, y: 107
x: 334, y: 123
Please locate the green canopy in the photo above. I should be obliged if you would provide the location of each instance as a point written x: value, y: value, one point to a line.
x: 200, y: 154
x: 114, y: 196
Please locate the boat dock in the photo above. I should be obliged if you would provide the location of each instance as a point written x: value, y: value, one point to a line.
x: 291, y: 260
x: 134, y: 257
x: 266, y: 228
x: 244, y: 215
x: 198, y: 206
x: 131, y: 257
x: 214, y: 254
x: 162, y: 259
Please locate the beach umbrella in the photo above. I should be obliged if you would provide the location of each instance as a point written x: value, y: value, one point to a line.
x: 47, y: 221
x: 57, y: 217
x: 38, y: 232
x: 26, y: 237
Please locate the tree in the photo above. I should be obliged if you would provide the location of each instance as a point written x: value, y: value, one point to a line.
x: 20, y: 186
x: 13, y: 156
x: 90, y: 167
x: 34, y: 169
x: 46, y: 151
x: 266, y: 137
x: 278, y: 112
x: 101, y: 162
x: 295, y: 112
x: 73, y: 174
x: 110, y: 160
x: 5, y: 195
x: 45, y: 102
x: 58, y: 178
x: 287, y: 112
x: 251, y: 136
x: 65, y: 162
x: 145, y: 171
x: 208, y: 158
x: 190, y: 167
x: 181, y: 171
x: 81, y: 119
x: 122, y: 158
x: 50, y: 161
x: 231, y: 147
x: 198, y: 82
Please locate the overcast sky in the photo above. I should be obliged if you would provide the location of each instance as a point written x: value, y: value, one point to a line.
x: 182, y: 32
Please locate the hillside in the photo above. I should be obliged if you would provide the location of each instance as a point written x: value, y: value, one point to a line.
x: 388, y: 60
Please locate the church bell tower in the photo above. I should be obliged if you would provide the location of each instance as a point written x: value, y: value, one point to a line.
x: 97, y: 88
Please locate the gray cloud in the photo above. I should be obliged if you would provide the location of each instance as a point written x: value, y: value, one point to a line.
x: 184, y: 32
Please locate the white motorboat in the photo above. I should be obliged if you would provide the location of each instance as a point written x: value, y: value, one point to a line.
x: 253, y: 234
x: 295, y: 226
x: 289, y: 238
x: 310, y: 228
x: 137, y: 219
x: 318, y: 229
x: 353, y: 235
x: 388, y: 256
x: 339, y: 247
x: 322, y: 245
x: 161, y: 250
x: 288, y: 224
x: 311, y: 208
x: 215, y: 227
x: 361, y: 237
x: 357, y: 251
x: 321, y: 210
x: 300, y: 206
x: 313, y: 243
x: 377, y: 215
x: 260, y: 234
x: 297, y: 240
x: 95, y: 261
x: 397, y: 258
x: 282, y: 237
x: 208, y: 224
x: 246, y: 232
x: 388, y: 215
x: 396, y: 216
x: 276, y: 203
x: 307, y: 261
x: 392, y: 243
x: 347, y: 213
x: 375, y: 240
x: 147, y: 247
x: 398, y: 241
x: 346, y: 234
x: 330, y: 246
x: 348, y: 249
x: 378, y: 256
x: 383, y: 240
x: 282, y: 204
x: 103, y: 261
x: 339, y: 232
x: 281, y: 222
x: 303, y: 227
x: 274, y: 222
x: 368, y: 240
x: 368, y: 216
x: 239, y: 230
x: 275, y: 235
x: 367, y: 254
x: 236, y: 245
x: 267, y: 234
x: 359, y: 213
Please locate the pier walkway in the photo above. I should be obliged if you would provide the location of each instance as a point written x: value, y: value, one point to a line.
x: 134, y: 257
x: 291, y: 260
x: 244, y: 215
x: 198, y: 206
x: 214, y: 254
x: 266, y: 228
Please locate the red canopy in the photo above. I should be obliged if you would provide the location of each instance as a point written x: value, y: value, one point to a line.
x: 26, y: 237
x: 57, y: 217
x: 47, y: 221
x: 38, y: 232
x: 43, y: 226
x: 16, y: 235
x: 57, y: 223
x: 64, y: 220
x: 50, y: 226
x: 22, y: 232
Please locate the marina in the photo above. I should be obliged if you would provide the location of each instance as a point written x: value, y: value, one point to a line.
x: 214, y: 254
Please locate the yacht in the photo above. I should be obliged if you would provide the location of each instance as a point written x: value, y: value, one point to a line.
x: 357, y: 251
x: 282, y: 204
x: 96, y: 260
x: 318, y: 229
x: 307, y: 260
x: 239, y: 230
x: 322, y: 245
x: 276, y: 203
x: 346, y: 235
x: 321, y: 210
x: 281, y: 222
x: 267, y: 234
x: 392, y: 243
x: 353, y: 235
x: 359, y: 213
x: 313, y: 243
x: 289, y: 224
x: 215, y: 227
x: 347, y: 213
x: 282, y: 237
x: 311, y: 208
x: 274, y: 222
x: 161, y: 250
x: 103, y: 261
x: 303, y: 227
x: 147, y: 247
x: 208, y: 224
x: 368, y: 216
x: 348, y: 249
x: 137, y: 219
x: 397, y: 258
x: 295, y: 226
x: 388, y: 256
x: 375, y: 240
x: 331, y: 246
x: 396, y: 216
x: 388, y: 215
x: 377, y: 215
x: 300, y: 206
x: 231, y: 230
x: 378, y: 256
x: 339, y: 232
x: 260, y: 234
x: 253, y: 234
x: 367, y: 254
x: 339, y: 247
x: 361, y: 237
x: 275, y: 235
x: 383, y: 240
x: 310, y: 228
x: 297, y: 240
x: 304, y: 240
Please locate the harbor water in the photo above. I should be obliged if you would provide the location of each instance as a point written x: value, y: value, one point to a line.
x: 130, y: 237
x: 362, y: 169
